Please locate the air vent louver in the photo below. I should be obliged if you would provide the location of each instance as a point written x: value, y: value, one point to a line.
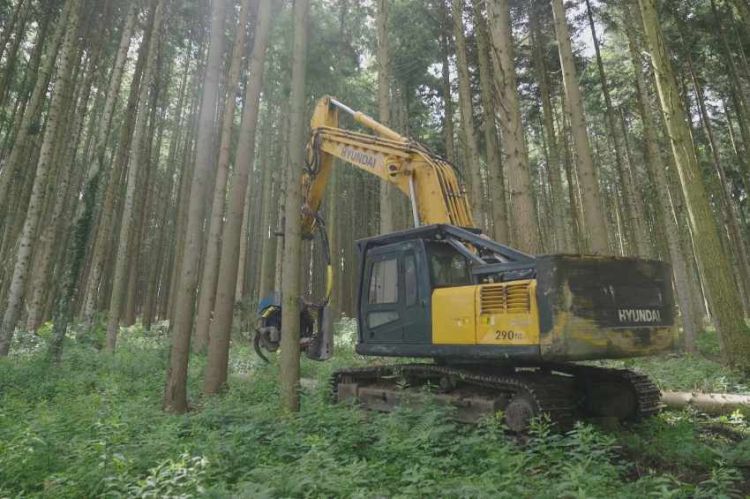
x: 505, y: 299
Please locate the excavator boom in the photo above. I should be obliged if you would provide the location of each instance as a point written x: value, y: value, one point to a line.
x: 430, y: 182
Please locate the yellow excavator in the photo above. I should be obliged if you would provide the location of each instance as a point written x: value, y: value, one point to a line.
x: 503, y: 328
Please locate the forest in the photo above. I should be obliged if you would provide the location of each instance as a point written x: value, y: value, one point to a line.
x: 164, y: 165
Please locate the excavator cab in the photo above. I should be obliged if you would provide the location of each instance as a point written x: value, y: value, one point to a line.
x: 398, y: 280
x: 395, y: 295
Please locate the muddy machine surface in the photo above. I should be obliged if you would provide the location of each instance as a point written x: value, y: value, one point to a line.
x: 502, y: 329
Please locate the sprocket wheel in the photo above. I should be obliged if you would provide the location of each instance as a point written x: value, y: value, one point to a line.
x: 519, y: 412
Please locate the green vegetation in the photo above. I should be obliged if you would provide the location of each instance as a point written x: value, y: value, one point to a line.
x: 702, y: 373
x: 94, y: 426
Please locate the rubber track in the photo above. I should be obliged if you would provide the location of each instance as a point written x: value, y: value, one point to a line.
x: 551, y: 394
x: 647, y: 393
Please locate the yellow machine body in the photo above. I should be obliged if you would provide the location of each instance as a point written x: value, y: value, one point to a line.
x: 488, y: 314
x: 508, y: 314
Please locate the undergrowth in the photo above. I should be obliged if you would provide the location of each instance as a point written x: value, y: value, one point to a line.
x: 93, y: 426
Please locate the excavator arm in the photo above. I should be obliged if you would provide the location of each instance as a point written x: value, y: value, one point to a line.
x: 428, y: 181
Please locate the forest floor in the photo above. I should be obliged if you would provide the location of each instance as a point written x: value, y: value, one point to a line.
x: 93, y: 426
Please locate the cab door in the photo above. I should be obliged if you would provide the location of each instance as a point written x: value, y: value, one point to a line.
x: 417, y: 299
x: 382, y: 296
x: 395, y: 300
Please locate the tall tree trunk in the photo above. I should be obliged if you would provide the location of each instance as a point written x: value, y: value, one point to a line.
x: 384, y: 105
x: 665, y: 218
x: 744, y: 10
x: 469, y: 136
x: 554, y: 164
x: 334, y: 236
x: 271, y: 184
x: 735, y: 87
x: 448, y: 133
x: 523, y: 207
x: 740, y: 155
x: 49, y: 235
x: 207, y: 294
x: 11, y: 25
x: 124, y: 248
x: 70, y: 19
x: 726, y: 205
x: 722, y: 292
x: 215, y: 376
x: 637, y: 234
x: 576, y: 214
x: 596, y: 226
x: 100, y: 250
x: 113, y: 94
x: 281, y: 210
x: 239, y: 288
x: 183, y: 201
x: 152, y: 292
x: 495, y: 177
x: 175, y: 391
x: 290, y: 348
x: 16, y: 157
x: 30, y: 76
x: 75, y: 252
x: 8, y: 71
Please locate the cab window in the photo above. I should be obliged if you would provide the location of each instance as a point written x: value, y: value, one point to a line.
x: 384, y: 282
x: 447, y: 266
x: 410, y: 279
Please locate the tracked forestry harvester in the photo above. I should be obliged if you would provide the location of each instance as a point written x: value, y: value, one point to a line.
x: 503, y: 329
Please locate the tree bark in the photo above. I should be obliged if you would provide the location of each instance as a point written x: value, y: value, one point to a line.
x: 175, y: 391
x: 60, y: 188
x: 290, y: 311
x: 207, y: 294
x: 384, y: 104
x: 17, y: 20
x: 714, y: 404
x: 665, y: 220
x: 471, y: 149
x: 102, y: 233
x: 124, y: 249
x: 73, y: 259
x: 722, y: 292
x: 30, y: 77
x: 515, y: 158
x: 215, y: 375
x: 593, y: 213
x: 554, y: 164
x: 738, y: 249
x: 113, y: 94
x: 33, y: 107
x: 69, y: 19
x: 637, y: 233
x: 18, y: 25
x: 271, y: 184
x: 183, y: 199
x: 448, y: 132
x: 495, y: 177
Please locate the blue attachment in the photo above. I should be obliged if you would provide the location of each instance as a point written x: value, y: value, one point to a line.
x: 272, y: 300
